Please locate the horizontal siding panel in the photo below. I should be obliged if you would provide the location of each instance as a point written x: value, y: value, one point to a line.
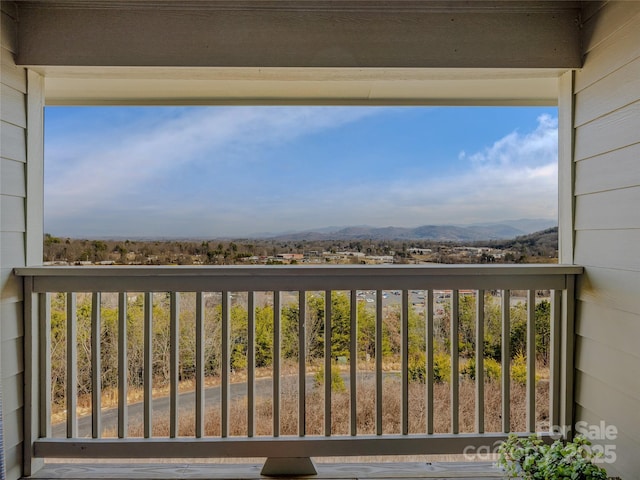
x: 613, y: 53
x: 12, y: 424
x: 13, y: 215
x: 620, y: 409
x: 11, y: 286
x: 617, y: 130
x: 12, y: 393
x: 618, y: 249
x: 11, y: 248
x: 14, y: 109
x: 13, y: 76
x: 609, y: 20
x: 8, y: 32
x: 614, y: 289
x: 609, y: 171
x: 13, y: 143
x: 614, y: 209
x: 627, y: 464
x: 13, y: 460
x: 11, y: 325
x: 12, y: 358
x: 12, y: 178
x: 609, y: 365
x: 613, y: 328
x: 613, y: 92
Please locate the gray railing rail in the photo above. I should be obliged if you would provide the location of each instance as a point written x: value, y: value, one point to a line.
x: 41, y: 282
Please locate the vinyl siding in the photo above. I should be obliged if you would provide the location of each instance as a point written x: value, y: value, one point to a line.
x: 607, y: 227
x: 13, y: 146
x: 13, y: 460
x: 13, y: 157
x: 609, y: 171
x: 620, y: 331
x: 592, y: 249
x: 626, y: 449
x: 601, y: 398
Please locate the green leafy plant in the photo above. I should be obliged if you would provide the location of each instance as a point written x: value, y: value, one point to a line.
x: 337, y: 382
x: 519, y: 369
x: 418, y: 367
x: 441, y: 367
x: 492, y: 369
x: 532, y: 459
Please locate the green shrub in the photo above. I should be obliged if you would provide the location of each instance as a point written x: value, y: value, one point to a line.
x: 418, y: 367
x: 469, y: 369
x: 519, y: 369
x: 532, y: 459
x: 441, y: 367
x: 492, y: 369
x: 337, y: 382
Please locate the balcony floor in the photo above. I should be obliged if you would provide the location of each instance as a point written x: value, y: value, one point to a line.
x: 352, y: 471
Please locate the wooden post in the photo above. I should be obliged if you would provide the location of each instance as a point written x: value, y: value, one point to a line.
x: 31, y: 464
x: 567, y: 356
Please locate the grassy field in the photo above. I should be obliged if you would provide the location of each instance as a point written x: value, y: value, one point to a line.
x: 366, y: 408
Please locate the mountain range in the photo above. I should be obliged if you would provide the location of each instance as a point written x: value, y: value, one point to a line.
x: 456, y: 233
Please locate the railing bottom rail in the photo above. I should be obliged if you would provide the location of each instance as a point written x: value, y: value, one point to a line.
x: 281, y: 447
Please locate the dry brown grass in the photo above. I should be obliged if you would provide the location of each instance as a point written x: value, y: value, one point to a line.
x: 340, y: 416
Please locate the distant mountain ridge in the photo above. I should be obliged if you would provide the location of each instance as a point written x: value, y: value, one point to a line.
x: 453, y: 233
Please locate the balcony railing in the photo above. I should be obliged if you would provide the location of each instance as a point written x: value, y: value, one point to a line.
x: 432, y: 294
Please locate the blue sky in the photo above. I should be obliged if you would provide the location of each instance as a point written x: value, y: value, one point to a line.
x: 233, y: 171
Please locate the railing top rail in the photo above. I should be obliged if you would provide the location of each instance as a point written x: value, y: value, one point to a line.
x: 298, y: 270
x: 296, y: 278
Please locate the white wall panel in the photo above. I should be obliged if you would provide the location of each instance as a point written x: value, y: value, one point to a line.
x: 600, y: 399
x: 610, y: 171
x: 593, y: 248
x: 611, y: 93
x: 613, y: 328
x: 8, y: 32
x: 11, y: 290
x: 13, y: 106
x: 609, y: 365
x: 11, y: 248
x: 598, y: 29
x: 12, y: 76
x: 12, y: 142
x: 13, y: 460
x: 626, y: 449
x: 12, y: 147
x: 13, y: 429
x: 12, y: 181
x: 13, y: 215
x: 12, y: 399
x: 617, y: 50
x: 616, y: 130
x: 613, y: 210
x: 12, y: 325
x: 12, y: 358
x: 612, y: 289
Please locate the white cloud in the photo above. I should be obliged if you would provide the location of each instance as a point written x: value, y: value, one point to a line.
x: 104, y: 170
x: 535, y: 148
x: 514, y: 177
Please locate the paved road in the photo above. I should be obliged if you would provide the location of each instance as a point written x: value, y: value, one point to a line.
x: 186, y: 403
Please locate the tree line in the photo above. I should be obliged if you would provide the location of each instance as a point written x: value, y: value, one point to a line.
x: 540, y: 247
